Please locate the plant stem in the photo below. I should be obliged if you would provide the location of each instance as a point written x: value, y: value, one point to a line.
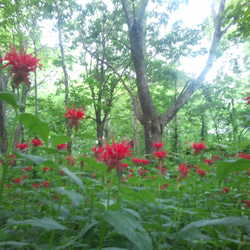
x: 5, y: 167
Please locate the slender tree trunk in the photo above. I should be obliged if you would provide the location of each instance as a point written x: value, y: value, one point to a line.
x: 65, y: 72
x: 136, y: 146
x: 3, y: 131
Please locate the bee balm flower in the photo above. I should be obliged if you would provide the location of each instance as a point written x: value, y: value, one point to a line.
x: 21, y: 65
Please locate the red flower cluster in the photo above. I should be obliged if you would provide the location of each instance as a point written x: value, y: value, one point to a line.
x: 209, y: 161
x: 61, y: 146
x: 112, y: 155
x: 75, y: 116
x: 163, y: 171
x: 157, y: 146
x: 22, y: 146
x: 142, y: 172
x: 98, y: 152
x: 71, y: 161
x: 242, y: 155
x: 201, y: 172
x: 21, y: 65
x: 159, y: 153
x: 163, y: 186
x: 36, y: 142
x: 217, y: 158
x: 27, y: 169
x: 183, y: 169
x: 138, y: 161
x: 247, y: 99
x: 198, y: 147
x: 247, y: 203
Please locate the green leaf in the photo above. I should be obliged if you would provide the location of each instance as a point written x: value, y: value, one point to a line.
x: 17, y: 244
x: 38, y: 126
x: 46, y: 223
x: 87, y: 136
x: 75, y: 178
x: 61, y: 139
x: 227, y: 221
x: 10, y: 98
x: 75, y: 197
x: 146, y: 196
x: 34, y: 158
x: 127, y: 225
x: 80, y: 235
x: 226, y: 167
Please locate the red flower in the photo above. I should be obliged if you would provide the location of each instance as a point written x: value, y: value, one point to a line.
x: 137, y: 161
x: 157, y: 146
x: 22, y: 146
x: 225, y: 189
x: 201, y: 172
x: 21, y: 65
x: 112, y: 155
x: 27, y: 169
x: 61, y: 172
x: 97, y: 152
x: 247, y: 99
x: 162, y: 170
x: 163, y: 186
x: 71, y: 161
x: 142, y: 172
x: 216, y: 158
x: 36, y: 142
x: 183, y: 169
x: 247, y: 203
x: 125, y: 165
x: 46, y: 168
x: 160, y: 155
x: 242, y: 155
x: 209, y: 161
x: 75, y: 116
x: 35, y: 185
x: 61, y: 146
x: 46, y: 184
x: 17, y: 180
x: 12, y: 157
x: 198, y: 147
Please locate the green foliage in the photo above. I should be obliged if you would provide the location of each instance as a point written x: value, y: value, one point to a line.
x: 126, y: 224
x: 10, y: 98
x: 36, y: 125
x: 226, y: 167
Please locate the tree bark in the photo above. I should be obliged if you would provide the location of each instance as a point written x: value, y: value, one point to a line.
x: 151, y: 121
x: 3, y: 131
x: 65, y: 72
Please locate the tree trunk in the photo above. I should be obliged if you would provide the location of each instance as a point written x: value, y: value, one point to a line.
x: 151, y: 121
x: 3, y: 131
x: 65, y: 72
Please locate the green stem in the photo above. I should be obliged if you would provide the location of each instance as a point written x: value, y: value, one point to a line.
x: 5, y: 167
x: 51, y: 239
